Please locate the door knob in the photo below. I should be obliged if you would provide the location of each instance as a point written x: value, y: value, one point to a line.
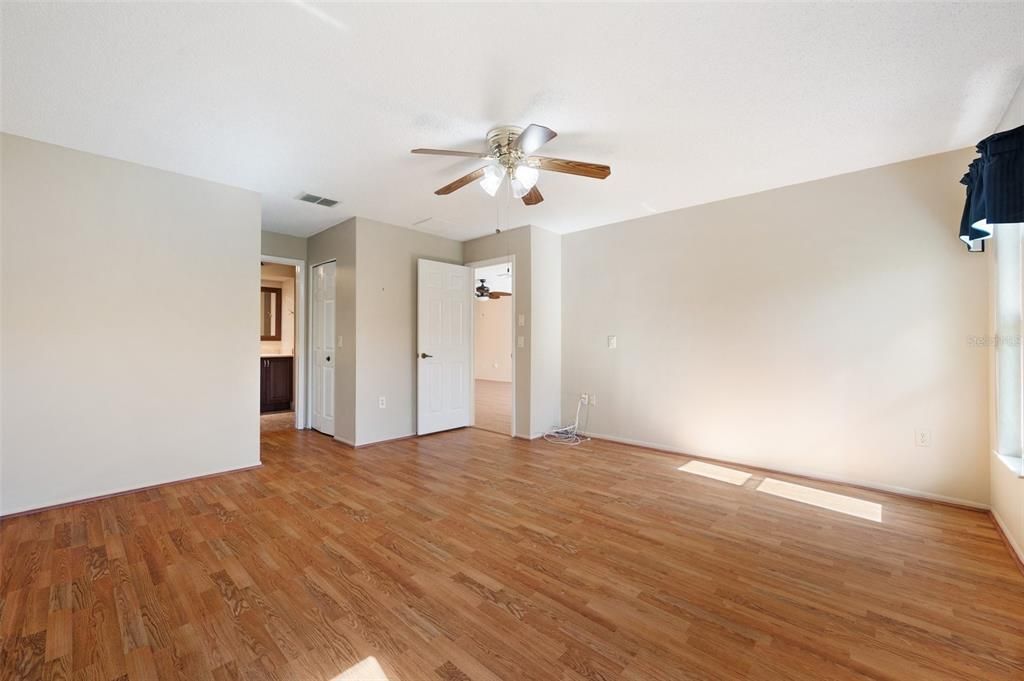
x: 424, y: 355
x: 328, y: 358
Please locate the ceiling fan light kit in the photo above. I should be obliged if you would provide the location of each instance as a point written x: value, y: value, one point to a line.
x: 523, y: 180
x: 484, y: 292
x: 493, y: 175
x: 509, y: 150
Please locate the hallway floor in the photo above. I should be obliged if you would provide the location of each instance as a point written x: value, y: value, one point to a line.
x: 277, y: 421
x: 494, y: 406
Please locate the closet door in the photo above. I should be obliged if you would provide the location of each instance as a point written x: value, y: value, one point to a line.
x: 323, y: 348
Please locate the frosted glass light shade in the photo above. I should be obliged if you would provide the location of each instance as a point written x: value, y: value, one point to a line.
x: 493, y: 175
x: 519, y: 190
x: 527, y: 176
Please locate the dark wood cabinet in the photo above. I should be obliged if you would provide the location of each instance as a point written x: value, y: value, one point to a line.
x: 276, y: 376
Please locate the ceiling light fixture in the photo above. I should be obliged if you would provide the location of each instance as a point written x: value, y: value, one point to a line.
x: 523, y: 179
x: 509, y: 154
x: 493, y: 175
x: 518, y: 190
x: 527, y: 175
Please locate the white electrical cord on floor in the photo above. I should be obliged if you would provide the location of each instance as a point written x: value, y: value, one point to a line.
x: 568, y: 435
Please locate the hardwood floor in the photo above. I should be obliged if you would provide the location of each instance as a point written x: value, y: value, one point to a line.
x: 493, y: 402
x: 468, y: 555
x: 277, y: 421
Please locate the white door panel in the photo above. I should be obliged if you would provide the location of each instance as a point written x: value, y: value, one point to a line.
x: 445, y: 346
x: 323, y: 348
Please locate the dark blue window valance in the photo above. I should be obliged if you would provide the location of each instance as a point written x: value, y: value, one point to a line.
x: 995, y: 187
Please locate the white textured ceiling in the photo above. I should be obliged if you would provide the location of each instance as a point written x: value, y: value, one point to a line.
x: 687, y: 103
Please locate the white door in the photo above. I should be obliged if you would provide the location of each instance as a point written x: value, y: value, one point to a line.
x: 323, y: 348
x: 445, y: 338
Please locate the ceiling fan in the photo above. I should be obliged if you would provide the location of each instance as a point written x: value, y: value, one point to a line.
x: 483, y: 291
x: 510, y: 152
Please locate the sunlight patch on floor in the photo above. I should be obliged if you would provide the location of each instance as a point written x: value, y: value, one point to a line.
x: 367, y: 670
x: 831, y: 501
x: 710, y: 470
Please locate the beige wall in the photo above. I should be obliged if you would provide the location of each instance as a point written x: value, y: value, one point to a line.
x: 492, y: 339
x: 283, y: 245
x: 810, y: 329
x: 105, y: 266
x: 376, y: 316
x: 386, y: 258
x: 338, y: 243
x: 546, y: 332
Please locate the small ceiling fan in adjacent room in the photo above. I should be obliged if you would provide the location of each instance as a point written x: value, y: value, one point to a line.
x: 510, y: 156
x: 483, y: 291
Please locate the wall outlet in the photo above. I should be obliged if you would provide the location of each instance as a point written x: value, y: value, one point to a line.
x: 382, y: 402
x: 341, y: 341
x: 522, y: 320
x: 613, y: 342
x: 922, y: 438
x: 521, y: 342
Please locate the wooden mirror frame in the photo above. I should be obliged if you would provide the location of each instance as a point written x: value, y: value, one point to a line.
x: 277, y: 313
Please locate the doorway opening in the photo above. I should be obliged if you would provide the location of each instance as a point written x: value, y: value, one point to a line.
x: 494, y: 346
x: 282, y: 384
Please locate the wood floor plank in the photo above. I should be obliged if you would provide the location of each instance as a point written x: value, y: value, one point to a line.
x: 471, y: 556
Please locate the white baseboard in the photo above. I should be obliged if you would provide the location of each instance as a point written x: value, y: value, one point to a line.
x: 803, y: 473
x: 1014, y: 546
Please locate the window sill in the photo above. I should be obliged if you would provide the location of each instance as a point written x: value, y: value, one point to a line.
x: 1014, y: 462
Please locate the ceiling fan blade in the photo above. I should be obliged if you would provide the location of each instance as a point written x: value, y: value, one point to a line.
x: 461, y: 182
x: 533, y: 138
x: 450, y: 152
x: 494, y: 295
x: 533, y: 197
x: 562, y: 165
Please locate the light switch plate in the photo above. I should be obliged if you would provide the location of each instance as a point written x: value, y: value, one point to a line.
x: 341, y: 341
x: 520, y: 342
x: 522, y: 320
x: 613, y: 342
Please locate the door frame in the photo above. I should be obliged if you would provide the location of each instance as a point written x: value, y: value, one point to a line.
x: 500, y: 260
x: 301, y: 384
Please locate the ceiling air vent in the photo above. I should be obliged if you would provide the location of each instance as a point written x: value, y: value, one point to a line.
x: 318, y: 200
